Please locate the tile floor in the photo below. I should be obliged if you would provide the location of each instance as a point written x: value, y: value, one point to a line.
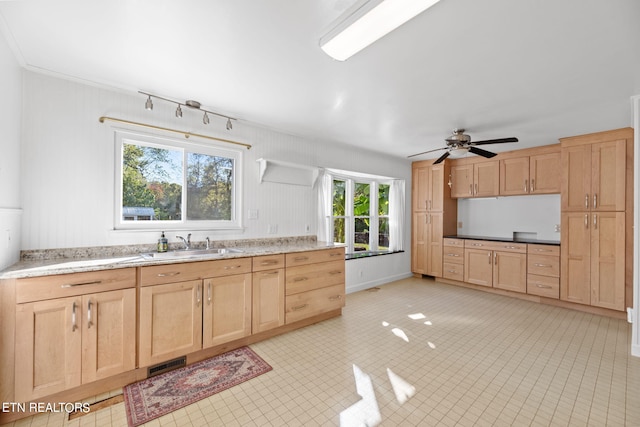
x: 475, y: 359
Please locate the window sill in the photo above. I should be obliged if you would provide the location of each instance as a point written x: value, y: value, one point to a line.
x: 367, y: 254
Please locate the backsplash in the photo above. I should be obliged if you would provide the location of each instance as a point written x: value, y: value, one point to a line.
x: 534, y: 216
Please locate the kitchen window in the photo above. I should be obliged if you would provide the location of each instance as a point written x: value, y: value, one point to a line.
x: 363, y: 212
x: 170, y: 184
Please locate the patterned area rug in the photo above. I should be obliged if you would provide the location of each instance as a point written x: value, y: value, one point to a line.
x: 157, y: 396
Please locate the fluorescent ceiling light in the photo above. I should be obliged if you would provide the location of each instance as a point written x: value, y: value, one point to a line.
x: 367, y: 22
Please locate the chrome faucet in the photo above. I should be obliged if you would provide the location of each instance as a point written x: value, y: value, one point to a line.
x: 208, y: 242
x: 187, y: 241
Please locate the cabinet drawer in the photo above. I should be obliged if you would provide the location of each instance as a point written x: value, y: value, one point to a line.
x: 312, y: 257
x: 453, y: 242
x: 268, y: 262
x: 551, y: 250
x: 307, y: 304
x: 543, y: 265
x: 543, y: 286
x: 453, y: 255
x: 453, y: 271
x: 67, y: 285
x: 308, y: 277
x: 169, y: 273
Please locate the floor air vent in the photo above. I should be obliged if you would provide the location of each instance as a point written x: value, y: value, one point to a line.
x: 161, y: 368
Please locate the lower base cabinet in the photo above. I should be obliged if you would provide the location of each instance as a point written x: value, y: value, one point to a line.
x: 226, y: 309
x: 495, y: 264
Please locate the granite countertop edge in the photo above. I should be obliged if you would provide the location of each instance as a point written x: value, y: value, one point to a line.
x: 505, y: 239
x: 50, y: 265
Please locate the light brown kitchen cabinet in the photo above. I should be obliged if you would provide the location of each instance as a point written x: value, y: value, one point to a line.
x: 480, y: 179
x: 496, y: 264
x: 226, y: 309
x: 434, y: 214
x: 314, y: 283
x: 594, y: 176
x: 453, y: 259
x: 597, y: 202
x: 535, y: 174
x: 593, y: 259
x: 268, y: 293
x: 543, y: 270
x: 170, y: 321
x: 69, y: 333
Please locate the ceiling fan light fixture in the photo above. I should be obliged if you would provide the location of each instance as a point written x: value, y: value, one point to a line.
x: 457, y: 152
x: 367, y: 22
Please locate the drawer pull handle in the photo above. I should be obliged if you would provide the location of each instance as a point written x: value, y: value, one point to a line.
x: 71, y: 285
x: 231, y: 267
x: 543, y: 265
x: 335, y: 254
x: 270, y: 273
x: 299, y: 307
x: 511, y: 247
x: 170, y: 274
x: 476, y: 244
x: 335, y: 298
x: 539, y: 285
x: 73, y: 317
x: 542, y: 250
x: 271, y: 262
x: 334, y: 272
x: 300, y: 279
x: 452, y: 271
x: 301, y: 258
x: 89, y: 313
x: 453, y: 255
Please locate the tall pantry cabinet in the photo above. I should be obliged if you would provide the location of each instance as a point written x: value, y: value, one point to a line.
x: 597, y: 212
x: 434, y: 215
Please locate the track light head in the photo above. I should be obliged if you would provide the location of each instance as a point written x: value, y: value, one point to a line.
x: 205, y: 118
x: 148, y: 105
x: 229, y: 124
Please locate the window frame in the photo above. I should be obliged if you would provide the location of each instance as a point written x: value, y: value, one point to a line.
x: 350, y: 217
x: 129, y: 137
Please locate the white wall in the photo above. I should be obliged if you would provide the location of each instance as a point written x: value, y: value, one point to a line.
x: 10, y: 113
x: 68, y: 169
x: 502, y: 216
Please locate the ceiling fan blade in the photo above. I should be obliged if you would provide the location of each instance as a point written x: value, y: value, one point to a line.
x: 495, y: 141
x: 441, y: 158
x: 481, y: 152
x: 425, y: 152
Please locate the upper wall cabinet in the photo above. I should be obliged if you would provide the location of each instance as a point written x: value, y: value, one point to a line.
x: 594, y: 172
x: 479, y: 179
x: 536, y: 174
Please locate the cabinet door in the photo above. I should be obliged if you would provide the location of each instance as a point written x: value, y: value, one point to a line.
x: 420, y: 181
x: 420, y: 245
x: 108, y: 334
x: 510, y: 271
x: 576, y: 178
x: 435, y: 199
x: 514, y: 176
x: 48, y: 347
x: 544, y: 173
x: 478, y: 267
x: 434, y: 243
x: 227, y: 309
x: 170, y: 321
x: 575, y: 258
x: 462, y: 181
x: 608, y: 260
x: 608, y: 176
x: 268, y: 300
x: 486, y: 179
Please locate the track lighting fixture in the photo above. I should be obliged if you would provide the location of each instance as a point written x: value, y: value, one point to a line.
x: 191, y: 104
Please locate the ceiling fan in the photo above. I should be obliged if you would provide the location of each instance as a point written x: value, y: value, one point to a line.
x: 459, y: 144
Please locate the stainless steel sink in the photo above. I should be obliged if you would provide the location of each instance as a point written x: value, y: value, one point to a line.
x: 190, y: 253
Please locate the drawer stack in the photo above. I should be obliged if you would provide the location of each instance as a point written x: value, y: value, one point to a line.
x: 543, y: 270
x: 314, y: 284
x: 453, y: 259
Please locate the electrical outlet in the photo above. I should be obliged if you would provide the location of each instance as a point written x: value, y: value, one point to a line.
x: 557, y: 228
x: 252, y: 214
x: 307, y: 228
x: 272, y: 229
x: 459, y: 224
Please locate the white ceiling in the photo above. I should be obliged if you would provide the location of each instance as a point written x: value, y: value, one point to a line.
x: 534, y: 69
